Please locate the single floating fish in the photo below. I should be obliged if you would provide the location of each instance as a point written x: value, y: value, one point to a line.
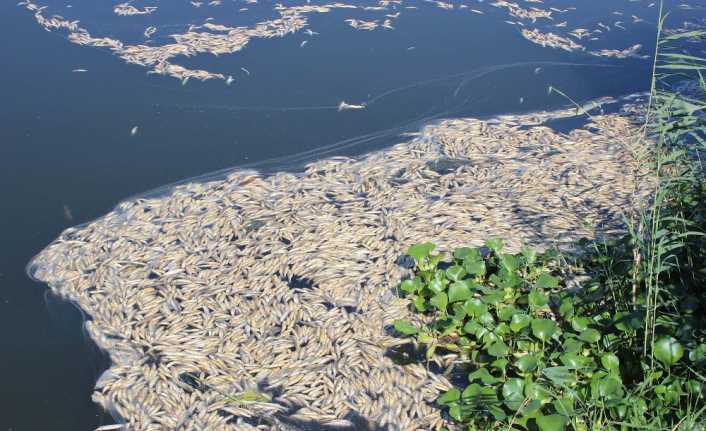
x: 344, y: 106
x: 134, y: 130
x: 80, y: 70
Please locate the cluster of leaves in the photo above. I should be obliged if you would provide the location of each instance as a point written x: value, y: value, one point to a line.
x: 537, y: 356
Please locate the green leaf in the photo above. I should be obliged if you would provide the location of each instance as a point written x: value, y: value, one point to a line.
x: 607, y: 386
x: 564, y: 406
x: 449, y: 396
x: 505, y: 313
x: 484, y: 376
x: 537, y: 299
x: 455, y: 412
x: 562, y: 376
x: 420, y: 251
x: 498, y: 349
x: 459, y: 291
x: 572, y: 360
x: 529, y: 254
x: 436, y: 285
x: 509, y: 262
x: 527, y: 363
x: 462, y: 252
x: 566, y: 309
x: 590, y: 335
x: 543, y: 329
x: 455, y: 273
x: 513, y: 393
x: 440, y: 301
x: 495, y: 244
x: 551, y: 422
x: 494, y: 297
x: 404, y: 327
x: 519, y: 321
x: 572, y: 345
x: 473, y: 266
x: 499, y: 364
x: 411, y: 286
x: 475, y: 307
x: 698, y: 354
x: 535, y: 391
x: 610, y: 362
x: 668, y: 351
x: 546, y: 281
x: 472, y: 327
x: 419, y: 303
x: 580, y: 323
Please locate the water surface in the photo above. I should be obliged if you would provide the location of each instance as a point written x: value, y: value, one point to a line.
x: 67, y: 154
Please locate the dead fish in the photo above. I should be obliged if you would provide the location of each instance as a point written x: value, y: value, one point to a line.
x: 67, y: 213
x: 344, y: 106
x: 134, y: 130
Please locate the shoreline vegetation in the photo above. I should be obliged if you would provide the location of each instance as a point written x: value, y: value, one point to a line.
x: 315, y: 302
x: 623, y: 350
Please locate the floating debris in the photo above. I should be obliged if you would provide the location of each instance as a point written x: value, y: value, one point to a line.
x: 345, y: 106
x: 535, y: 23
x: 268, y: 299
x: 126, y: 9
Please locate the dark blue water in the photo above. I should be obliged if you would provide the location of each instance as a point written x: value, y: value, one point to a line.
x: 67, y: 155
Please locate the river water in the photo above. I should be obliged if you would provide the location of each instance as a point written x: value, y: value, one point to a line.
x: 82, y: 129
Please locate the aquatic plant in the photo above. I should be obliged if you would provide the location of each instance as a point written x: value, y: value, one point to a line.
x: 540, y: 355
x: 625, y: 349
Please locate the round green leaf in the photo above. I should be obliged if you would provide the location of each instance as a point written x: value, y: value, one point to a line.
x: 440, y: 301
x: 404, y: 327
x: 459, y: 291
x: 580, y: 323
x: 455, y: 273
x: 506, y: 312
x: 495, y: 244
x: 436, y: 285
x: 573, y: 360
x: 473, y: 266
x: 527, y: 363
x: 551, y: 422
x: 420, y: 251
x: 519, y: 321
x: 698, y: 354
x: 562, y: 376
x: 590, y: 335
x: 498, y: 349
x: 543, y: 329
x: 610, y: 362
x: 566, y: 309
x: 449, y: 396
x: 535, y: 391
x: 410, y: 286
x: 513, y: 393
x: 484, y: 376
x: 509, y: 262
x: 546, y: 281
x: 537, y: 299
x: 668, y: 351
x: 462, y: 252
x: 475, y: 307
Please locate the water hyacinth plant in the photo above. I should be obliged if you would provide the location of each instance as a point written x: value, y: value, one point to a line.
x: 535, y: 354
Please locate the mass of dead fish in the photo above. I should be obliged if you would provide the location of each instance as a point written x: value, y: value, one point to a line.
x: 256, y: 302
x: 546, y: 26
